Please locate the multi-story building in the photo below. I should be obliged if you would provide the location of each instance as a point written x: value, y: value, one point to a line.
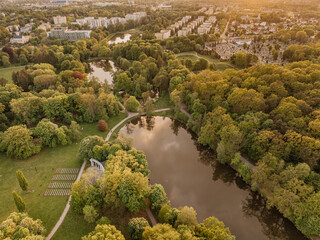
x: 44, y: 26
x: 184, y: 31
x: 64, y: 34
x: 26, y: 28
x: 135, y: 16
x: 57, y: 3
x: 20, y: 39
x: 163, y: 34
x: 13, y: 28
x: 105, y: 22
x: 58, y: 20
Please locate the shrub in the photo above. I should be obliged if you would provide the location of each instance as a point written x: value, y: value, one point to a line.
x: 245, y: 172
x: 136, y: 227
x: 86, y: 146
x: 104, y: 221
x: 102, y: 126
x: 104, y: 232
x: 132, y: 104
x: 187, y: 216
x: 23, y: 182
x: 157, y: 197
x: 21, y: 206
x: 168, y: 214
x: 18, y: 142
x: 90, y: 214
x: 21, y: 226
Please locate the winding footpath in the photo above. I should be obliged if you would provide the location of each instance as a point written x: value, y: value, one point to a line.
x: 66, y: 209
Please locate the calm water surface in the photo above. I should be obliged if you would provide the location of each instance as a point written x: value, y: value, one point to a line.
x: 103, y: 70
x: 120, y: 38
x: 191, y: 176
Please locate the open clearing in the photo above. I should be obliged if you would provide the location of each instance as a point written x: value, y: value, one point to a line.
x: 193, y: 56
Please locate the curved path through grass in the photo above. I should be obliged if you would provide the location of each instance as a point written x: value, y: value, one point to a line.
x: 66, y: 209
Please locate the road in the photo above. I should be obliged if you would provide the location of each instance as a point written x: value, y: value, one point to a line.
x: 223, y: 35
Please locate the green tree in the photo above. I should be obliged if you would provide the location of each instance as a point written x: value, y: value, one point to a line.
x: 200, y: 64
x: 132, y: 104
x: 90, y: 214
x: 3, y: 81
x: 301, y: 36
x: 50, y: 134
x: 187, y: 216
x: 160, y: 232
x: 104, y: 52
x: 5, y: 61
x: 23, y: 59
x: 18, y: 142
x: 86, y: 146
x: 149, y: 107
x: 168, y: 215
x: 104, y: 232
x: 133, y: 190
x: 136, y: 227
x: 308, y: 216
x: 157, y: 197
x: 213, y: 229
x: 243, y: 100
x: 75, y: 132
x: 21, y: 226
x: 23, y: 182
x: 21, y: 206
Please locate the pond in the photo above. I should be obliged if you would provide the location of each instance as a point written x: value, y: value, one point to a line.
x: 191, y: 176
x: 103, y: 70
x: 120, y: 38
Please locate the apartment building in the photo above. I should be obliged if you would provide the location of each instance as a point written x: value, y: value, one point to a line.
x: 58, y: 20
x: 20, y: 39
x: 64, y: 34
x: 163, y: 34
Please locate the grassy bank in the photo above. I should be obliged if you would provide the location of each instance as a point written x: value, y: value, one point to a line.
x: 193, y: 56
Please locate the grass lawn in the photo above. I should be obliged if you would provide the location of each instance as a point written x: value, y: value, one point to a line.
x: 7, y: 72
x: 193, y: 56
x: 39, y: 170
x: 92, y: 129
x: 163, y: 102
x: 74, y: 226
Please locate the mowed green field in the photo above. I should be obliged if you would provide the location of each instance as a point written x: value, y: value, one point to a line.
x: 7, y: 72
x: 193, y: 56
x: 39, y: 170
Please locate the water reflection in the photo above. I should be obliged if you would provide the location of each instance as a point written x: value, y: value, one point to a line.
x: 191, y: 176
x: 103, y: 70
x: 120, y: 38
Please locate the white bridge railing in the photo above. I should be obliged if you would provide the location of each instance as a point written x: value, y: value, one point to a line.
x: 97, y: 164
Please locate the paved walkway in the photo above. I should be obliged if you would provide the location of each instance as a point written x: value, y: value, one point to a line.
x: 151, y: 217
x: 66, y: 209
x: 183, y: 108
x: 131, y: 115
